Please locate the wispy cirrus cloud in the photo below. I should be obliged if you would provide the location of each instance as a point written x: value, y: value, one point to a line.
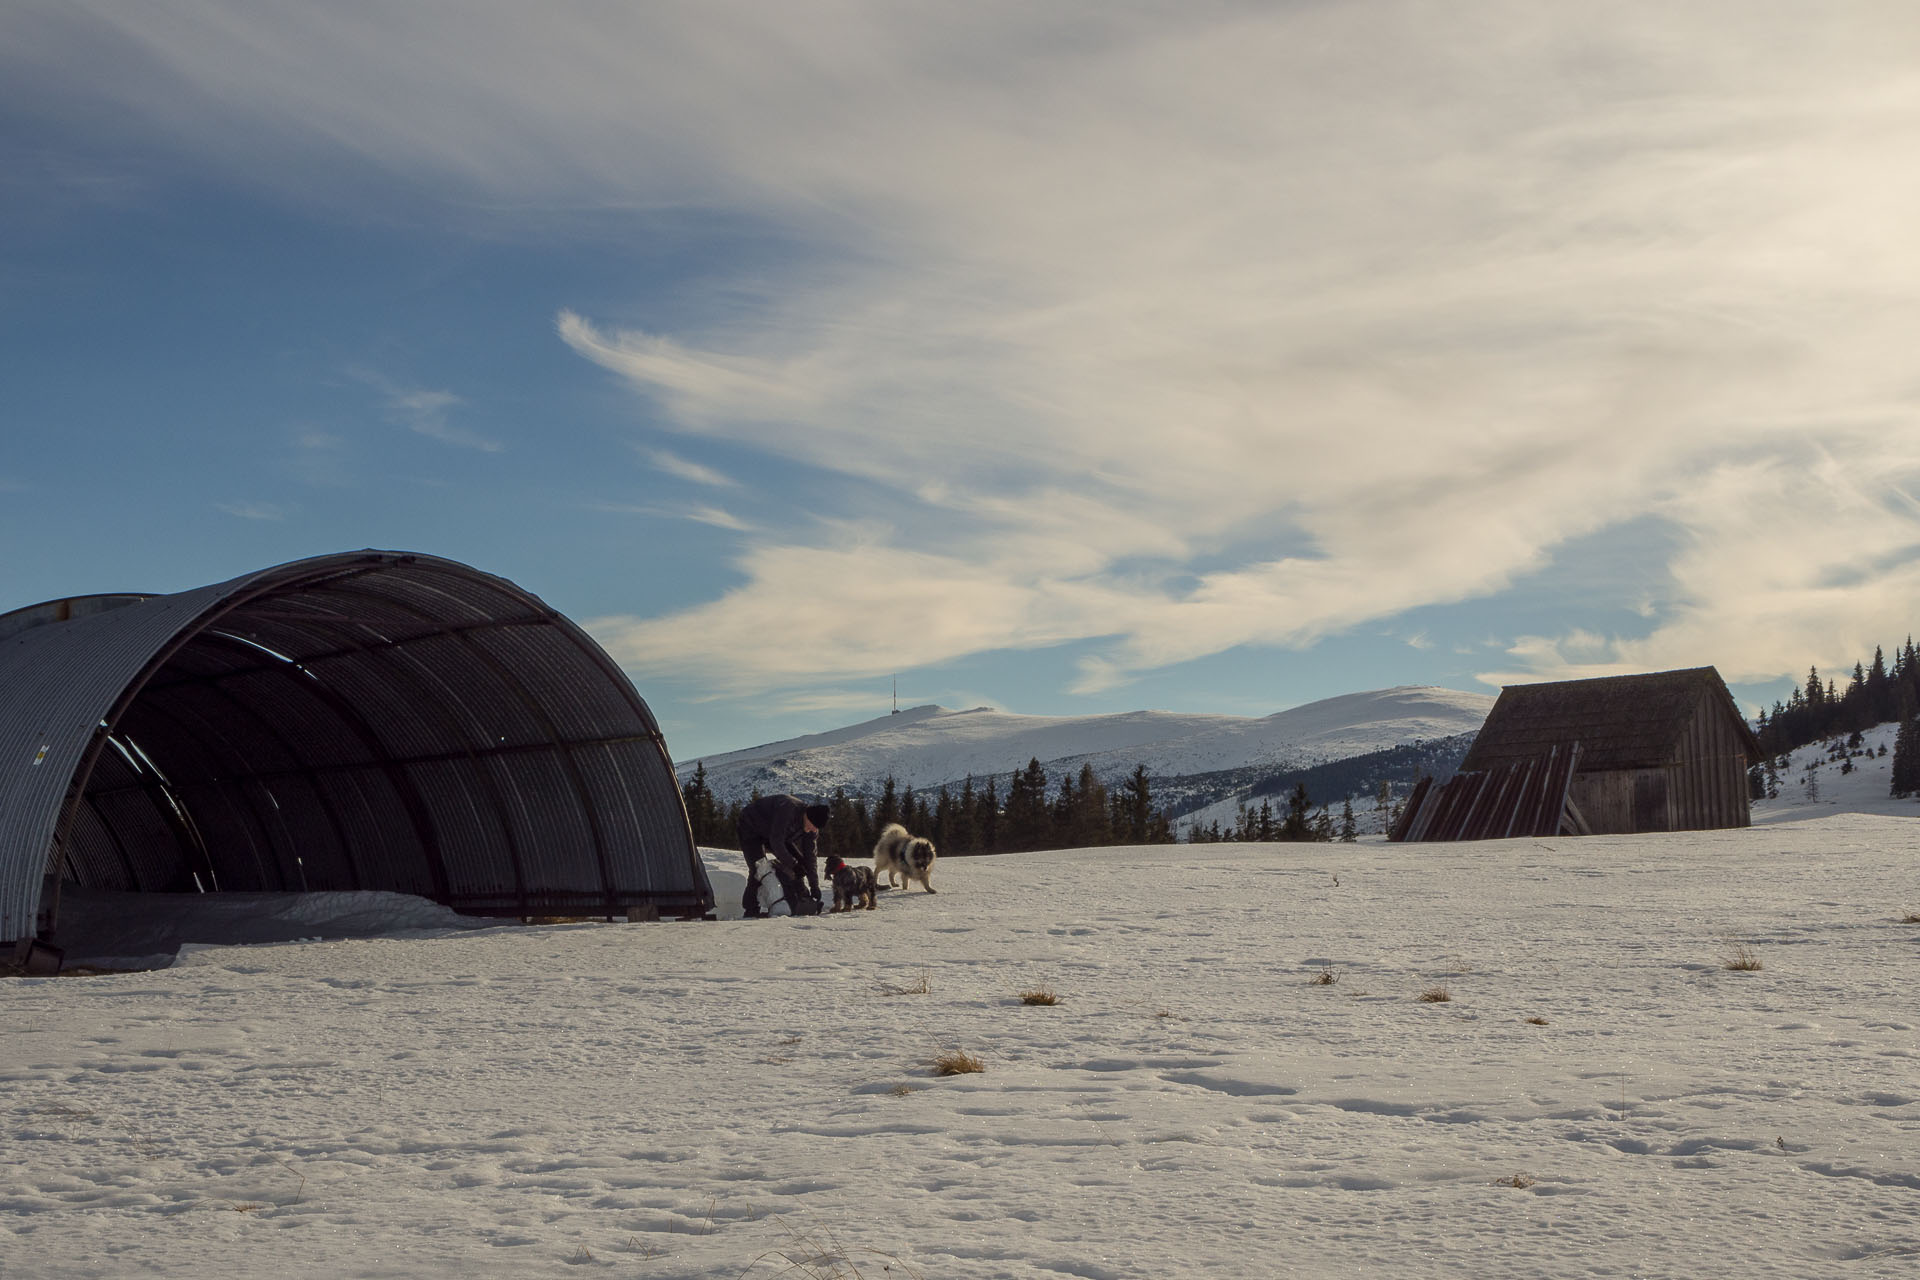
x: 1167, y: 331
x: 717, y: 517
x: 424, y: 411
x: 253, y: 510
x: 685, y: 469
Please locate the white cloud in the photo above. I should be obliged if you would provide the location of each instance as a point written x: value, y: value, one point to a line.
x: 1185, y: 328
x: 425, y: 411
x: 718, y: 517
x: 685, y: 469
x: 253, y: 510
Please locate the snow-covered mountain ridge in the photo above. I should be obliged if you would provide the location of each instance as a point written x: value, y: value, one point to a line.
x: 925, y: 747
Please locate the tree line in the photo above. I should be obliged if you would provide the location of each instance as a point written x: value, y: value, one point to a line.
x: 1818, y: 710
x: 1298, y: 822
x: 1082, y: 813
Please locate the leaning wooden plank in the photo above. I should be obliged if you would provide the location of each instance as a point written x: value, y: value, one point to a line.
x: 1544, y: 808
x: 1466, y: 789
x: 1562, y: 791
x: 1410, y: 811
x: 1523, y: 772
x: 1573, y: 822
x: 1471, y: 786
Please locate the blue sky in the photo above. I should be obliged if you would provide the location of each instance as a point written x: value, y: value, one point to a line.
x: 1064, y: 358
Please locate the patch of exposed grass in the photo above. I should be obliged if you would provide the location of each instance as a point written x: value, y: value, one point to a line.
x: 1912, y: 917
x: 1741, y: 958
x: 819, y: 1255
x: 903, y: 1091
x: 1039, y: 995
x: 1537, y: 1022
x: 1325, y: 978
x: 920, y: 985
x: 1519, y: 1181
x: 956, y: 1062
x: 1436, y: 994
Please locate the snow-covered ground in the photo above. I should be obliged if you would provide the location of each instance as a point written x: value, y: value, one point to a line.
x: 1813, y: 783
x: 1600, y: 1097
x: 927, y: 746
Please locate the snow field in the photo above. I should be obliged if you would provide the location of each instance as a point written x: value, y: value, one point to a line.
x: 747, y: 1098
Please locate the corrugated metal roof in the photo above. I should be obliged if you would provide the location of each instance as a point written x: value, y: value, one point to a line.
x: 1620, y: 722
x: 365, y: 720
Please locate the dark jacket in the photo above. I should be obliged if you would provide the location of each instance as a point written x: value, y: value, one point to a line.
x: 778, y: 824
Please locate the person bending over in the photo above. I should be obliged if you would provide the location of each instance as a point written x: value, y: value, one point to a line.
x: 783, y: 830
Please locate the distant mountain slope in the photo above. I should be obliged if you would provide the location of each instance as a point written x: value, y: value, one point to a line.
x: 927, y: 746
x: 1328, y: 785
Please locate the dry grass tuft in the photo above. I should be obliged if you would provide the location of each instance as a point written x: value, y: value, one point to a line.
x: 1912, y: 917
x: 1039, y: 995
x: 1537, y: 1022
x: 903, y: 1091
x: 921, y: 985
x: 1436, y: 994
x: 1741, y: 958
x: 1520, y: 1181
x: 956, y: 1062
x: 1325, y: 978
x: 819, y: 1255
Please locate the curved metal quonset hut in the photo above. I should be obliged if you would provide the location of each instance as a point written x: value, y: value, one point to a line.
x: 369, y: 720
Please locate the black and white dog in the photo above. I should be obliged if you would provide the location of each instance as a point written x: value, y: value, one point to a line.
x: 852, y: 886
x: 907, y: 856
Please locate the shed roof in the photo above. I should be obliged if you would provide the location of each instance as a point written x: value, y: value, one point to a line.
x: 372, y: 720
x: 1620, y: 722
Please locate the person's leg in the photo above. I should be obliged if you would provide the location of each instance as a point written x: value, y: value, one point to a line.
x: 753, y: 849
x: 810, y: 874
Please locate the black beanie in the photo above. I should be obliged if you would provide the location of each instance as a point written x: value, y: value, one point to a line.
x: 818, y: 814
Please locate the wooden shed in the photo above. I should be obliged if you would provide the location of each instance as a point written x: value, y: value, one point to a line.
x: 1665, y: 751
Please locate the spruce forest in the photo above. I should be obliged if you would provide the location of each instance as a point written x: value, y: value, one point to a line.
x: 1819, y: 711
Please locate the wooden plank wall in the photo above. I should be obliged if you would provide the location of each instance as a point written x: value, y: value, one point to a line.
x: 1703, y: 787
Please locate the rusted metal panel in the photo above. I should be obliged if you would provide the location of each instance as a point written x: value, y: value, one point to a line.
x: 372, y: 720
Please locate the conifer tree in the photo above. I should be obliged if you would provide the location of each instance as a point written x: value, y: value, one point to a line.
x: 1298, y: 824
x: 843, y: 827
x: 986, y: 819
x: 704, y: 819
x: 1090, y: 824
x: 1026, y: 820
x: 1906, y: 758
x: 965, y: 833
x: 1138, y: 806
x: 939, y: 829
x: 1349, y: 830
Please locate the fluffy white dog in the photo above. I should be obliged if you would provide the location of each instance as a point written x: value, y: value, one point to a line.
x: 910, y: 857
